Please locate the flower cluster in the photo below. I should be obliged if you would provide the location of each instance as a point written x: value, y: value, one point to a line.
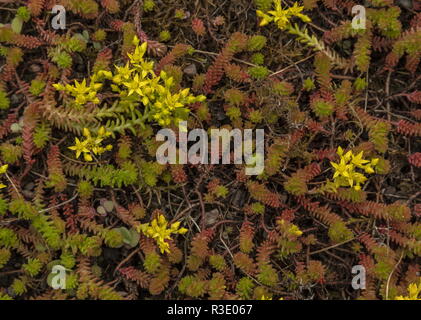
x: 282, y: 16
x: 3, y: 170
x: 81, y: 91
x: 158, y: 230
x: 138, y: 79
x: 345, y: 174
x: 91, y: 145
x: 414, y: 292
x: 136, y: 83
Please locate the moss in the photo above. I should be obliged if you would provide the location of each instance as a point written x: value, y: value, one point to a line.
x: 258, y: 72
x: 164, y: 36
x: 4, y: 101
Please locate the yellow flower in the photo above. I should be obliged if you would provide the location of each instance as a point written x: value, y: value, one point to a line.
x: 341, y: 168
x: 295, y: 10
x: 142, y: 94
x: 81, y: 91
x: 59, y: 87
x: 146, y: 68
x: 287, y: 227
x: 266, y: 19
x: 86, y: 132
x: 102, y: 73
x: 79, y: 147
x: 136, y: 41
x: 91, y: 144
x: 87, y: 157
x: 136, y: 85
x: 358, y: 160
x: 102, y: 132
x: 282, y: 16
x: 123, y: 73
x: 295, y: 230
x: 137, y: 56
x: 369, y: 167
x: 414, y: 291
x: 347, y: 156
x: 345, y: 174
x: 359, y: 179
x: 3, y: 170
x: 158, y: 230
x: 81, y: 87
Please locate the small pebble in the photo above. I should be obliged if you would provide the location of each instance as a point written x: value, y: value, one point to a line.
x: 212, y: 216
x: 191, y: 70
x: 101, y: 210
x: 35, y: 68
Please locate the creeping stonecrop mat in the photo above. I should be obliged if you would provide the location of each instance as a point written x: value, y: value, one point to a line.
x: 96, y: 96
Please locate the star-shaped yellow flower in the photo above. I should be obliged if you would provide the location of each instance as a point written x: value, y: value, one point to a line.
x: 341, y: 169
x: 282, y: 16
x: 123, y: 73
x: 81, y: 87
x: 136, y: 85
x: 296, y: 10
x: 358, y: 160
x: 80, y: 147
x: 137, y: 56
